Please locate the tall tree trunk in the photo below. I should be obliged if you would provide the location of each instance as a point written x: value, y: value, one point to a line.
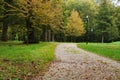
x: 4, y: 36
x: 74, y: 39
x: 53, y: 35
x: 65, y: 38
x: 46, y: 34
x: 4, y: 31
x: 49, y: 37
x: 102, y: 38
x: 31, y: 36
x: 71, y: 38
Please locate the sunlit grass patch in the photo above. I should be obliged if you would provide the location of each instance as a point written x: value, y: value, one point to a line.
x: 20, y: 61
x: 111, y: 50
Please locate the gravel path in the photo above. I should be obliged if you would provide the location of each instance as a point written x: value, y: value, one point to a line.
x: 76, y: 64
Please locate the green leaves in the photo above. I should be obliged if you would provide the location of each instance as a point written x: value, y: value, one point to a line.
x: 106, y: 21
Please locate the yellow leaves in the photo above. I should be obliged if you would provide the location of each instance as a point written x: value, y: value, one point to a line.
x: 56, y: 14
x: 75, y: 25
x: 45, y: 12
x: 42, y: 12
x: 38, y: 9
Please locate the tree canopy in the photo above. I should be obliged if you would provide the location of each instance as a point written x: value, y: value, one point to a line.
x: 75, y: 25
x: 57, y: 20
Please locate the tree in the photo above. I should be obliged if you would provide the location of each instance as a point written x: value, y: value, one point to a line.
x: 5, y: 20
x: 31, y: 11
x: 118, y: 19
x: 35, y: 13
x: 84, y: 8
x: 113, y: 33
x: 38, y: 14
x: 106, y: 20
x: 1, y: 16
x: 56, y: 23
x: 75, y: 25
x: 1, y: 10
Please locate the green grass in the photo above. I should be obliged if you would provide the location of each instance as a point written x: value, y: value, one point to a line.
x: 110, y: 50
x: 19, y: 61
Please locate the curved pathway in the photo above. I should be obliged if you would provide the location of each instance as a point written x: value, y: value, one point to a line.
x: 73, y: 63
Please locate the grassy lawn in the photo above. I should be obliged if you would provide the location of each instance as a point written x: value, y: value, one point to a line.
x: 110, y: 50
x: 19, y: 61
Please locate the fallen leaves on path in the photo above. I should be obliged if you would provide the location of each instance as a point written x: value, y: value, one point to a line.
x: 81, y: 66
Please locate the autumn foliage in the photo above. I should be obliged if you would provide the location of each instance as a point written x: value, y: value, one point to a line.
x: 75, y: 25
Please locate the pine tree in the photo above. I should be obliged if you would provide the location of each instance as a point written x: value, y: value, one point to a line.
x: 106, y: 21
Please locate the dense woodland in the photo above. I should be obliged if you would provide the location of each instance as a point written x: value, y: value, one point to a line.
x: 32, y: 21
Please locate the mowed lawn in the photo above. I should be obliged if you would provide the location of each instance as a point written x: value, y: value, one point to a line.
x: 22, y: 62
x: 110, y: 50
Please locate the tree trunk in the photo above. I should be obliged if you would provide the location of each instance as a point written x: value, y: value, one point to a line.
x: 53, y: 37
x: 31, y: 33
x: 71, y: 38
x: 74, y: 39
x: 102, y: 38
x: 64, y: 38
x: 32, y: 36
x: 46, y: 35
x: 4, y: 36
x: 4, y: 31
x: 49, y: 37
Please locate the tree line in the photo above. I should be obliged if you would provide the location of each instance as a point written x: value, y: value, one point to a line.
x: 32, y: 21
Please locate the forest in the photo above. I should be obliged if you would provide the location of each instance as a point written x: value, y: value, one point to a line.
x: 46, y: 39
x: 32, y: 21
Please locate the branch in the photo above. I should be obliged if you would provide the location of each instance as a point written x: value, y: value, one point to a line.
x: 20, y: 15
x: 1, y: 18
x: 17, y: 9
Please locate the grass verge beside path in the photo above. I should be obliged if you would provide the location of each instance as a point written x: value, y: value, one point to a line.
x: 110, y: 50
x: 22, y: 62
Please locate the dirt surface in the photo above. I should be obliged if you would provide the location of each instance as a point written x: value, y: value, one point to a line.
x: 73, y: 63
